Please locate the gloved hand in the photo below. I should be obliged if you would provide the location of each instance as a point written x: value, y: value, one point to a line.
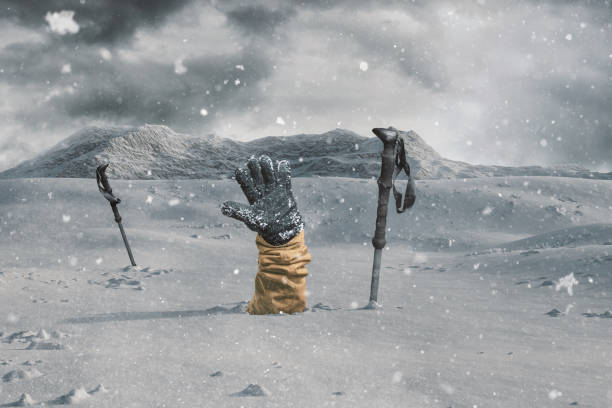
x: 272, y: 210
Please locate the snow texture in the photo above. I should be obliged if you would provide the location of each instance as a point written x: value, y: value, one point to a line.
x: 448, y: 334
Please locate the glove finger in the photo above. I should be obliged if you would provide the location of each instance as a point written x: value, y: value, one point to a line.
x: 283, y: 174
x: 255, y: 169
x: 243, y: 177
x: 237, y: 211
x: 267, y: 170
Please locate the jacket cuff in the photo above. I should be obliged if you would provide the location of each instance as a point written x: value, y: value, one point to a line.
x: 280, y: 284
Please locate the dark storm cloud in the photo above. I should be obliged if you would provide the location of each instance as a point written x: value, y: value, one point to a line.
x: 101, y: 21
x: 498, y: 77
x: 125, y: 90
x: 134, y: 91
x: 259, y: 19
x: 561, y: 104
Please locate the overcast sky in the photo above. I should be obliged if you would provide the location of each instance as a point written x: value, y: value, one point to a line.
x: 487, y: 81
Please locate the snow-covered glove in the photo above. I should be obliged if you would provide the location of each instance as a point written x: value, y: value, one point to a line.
x: 272, y: 211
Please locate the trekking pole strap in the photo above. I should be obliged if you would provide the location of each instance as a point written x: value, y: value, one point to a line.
x: 401, y: 163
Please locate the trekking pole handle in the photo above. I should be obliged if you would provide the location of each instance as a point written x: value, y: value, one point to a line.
x: 389, y: 138
x: 116, y: 213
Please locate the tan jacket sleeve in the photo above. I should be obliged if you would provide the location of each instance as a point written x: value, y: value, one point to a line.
x: 280, y: 284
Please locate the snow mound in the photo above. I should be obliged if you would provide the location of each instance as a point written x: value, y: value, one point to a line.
x: 21, y: 374
x: 593, y: 234
x: 100, y: 389
x: 75, y: 396
x: 25, y: 400
x: 252, y: 390
x: 157, y: 152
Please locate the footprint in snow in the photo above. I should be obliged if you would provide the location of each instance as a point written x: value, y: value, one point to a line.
x: 44, y: 345
x: 147, y: 271
x: 322, y: 306
x: 41, y: 340
x: 547, y: 283
x: 121, y: 280
x: 31, y: 363
x: 605, y: 315
x: 124, y: 282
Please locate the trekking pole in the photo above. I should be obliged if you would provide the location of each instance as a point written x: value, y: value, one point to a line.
x: 393, y: 161
x: 107, y: 192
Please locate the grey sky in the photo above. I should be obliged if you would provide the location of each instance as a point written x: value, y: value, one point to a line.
x: 502, y: 82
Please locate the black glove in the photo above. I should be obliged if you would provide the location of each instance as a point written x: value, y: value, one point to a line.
x: 272, y: 211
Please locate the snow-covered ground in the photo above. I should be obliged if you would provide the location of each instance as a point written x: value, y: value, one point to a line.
x: 496, y: 292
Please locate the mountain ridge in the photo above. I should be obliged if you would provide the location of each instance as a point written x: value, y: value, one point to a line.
x: 157, y: 152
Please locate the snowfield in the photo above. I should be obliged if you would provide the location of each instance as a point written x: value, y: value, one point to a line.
x: 496, y: 292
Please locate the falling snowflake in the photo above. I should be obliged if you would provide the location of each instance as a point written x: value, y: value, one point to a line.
x: 568, y: 37
x: 203, y: 112
x: 487, y: 210
x: 280, y: 121
x: 554, y: 394
x: 179, y: 68
x: 66, y: 69
x: 105, y: 54
x: 543, y: 142
x: 149, y: 199
x: 363, y: 65
x: 567, y: 282
x: 173, y: 202
x: 62, y: 22
x: 240, y: 67
x: 66, y: 217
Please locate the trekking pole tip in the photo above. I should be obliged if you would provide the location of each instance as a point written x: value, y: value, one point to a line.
x: 373, y: 305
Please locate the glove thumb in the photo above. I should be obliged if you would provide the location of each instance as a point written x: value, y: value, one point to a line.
x: 237, y: 211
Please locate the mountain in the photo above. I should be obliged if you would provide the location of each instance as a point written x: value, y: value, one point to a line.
x: 157, y: 152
